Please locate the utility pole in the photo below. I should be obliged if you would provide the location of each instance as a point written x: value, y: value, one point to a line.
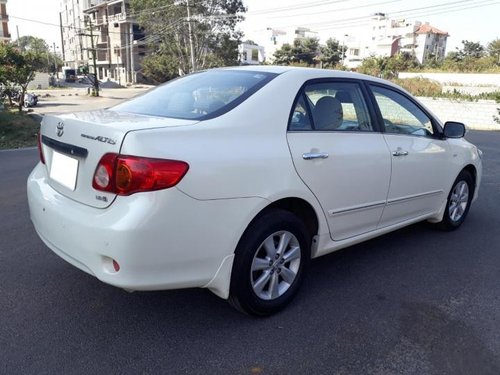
x: 94, y: 53
x: 190, y: 37
x: 62, y: 36
x: 109, y: 42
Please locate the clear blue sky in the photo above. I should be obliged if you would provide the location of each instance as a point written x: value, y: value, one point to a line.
x: 476, y: 20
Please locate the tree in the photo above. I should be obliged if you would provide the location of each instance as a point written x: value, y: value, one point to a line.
x: 213, y: 34
x: 331, y: 53
x: 375, y: 66
x: 494, y: 49
x: 159, y: 68
x: 38, y: 46
x: 388, y: 67
x: 17, y: 68
x: 33, y: 44
x: 470, y: 49
x: 304, y: 52
x: 284, y: 55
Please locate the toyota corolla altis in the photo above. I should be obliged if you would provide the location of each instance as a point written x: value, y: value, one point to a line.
x: 232, y: 179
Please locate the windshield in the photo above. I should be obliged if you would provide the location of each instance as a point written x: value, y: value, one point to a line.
x: 198, y: 96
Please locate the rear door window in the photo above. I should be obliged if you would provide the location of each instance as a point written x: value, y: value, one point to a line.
x: 331, y: 106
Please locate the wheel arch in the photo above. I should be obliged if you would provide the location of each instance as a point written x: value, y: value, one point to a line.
x: 297, y: 206
x: 473, y: 171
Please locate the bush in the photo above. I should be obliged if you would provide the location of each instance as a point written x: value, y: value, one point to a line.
x: 17, y: 130
x: 419, y: 86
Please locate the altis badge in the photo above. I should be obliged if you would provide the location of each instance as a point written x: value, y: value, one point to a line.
x: 100, y: 139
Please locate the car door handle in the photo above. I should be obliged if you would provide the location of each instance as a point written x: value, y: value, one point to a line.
x: 314, y: 155
x: 399, y: 152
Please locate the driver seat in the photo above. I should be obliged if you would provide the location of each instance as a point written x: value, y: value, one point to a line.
x: 328, y: 113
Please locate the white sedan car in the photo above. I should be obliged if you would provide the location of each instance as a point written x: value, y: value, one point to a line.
x: 232, y: 179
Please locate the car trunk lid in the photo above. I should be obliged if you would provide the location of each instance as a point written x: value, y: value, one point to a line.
x: 73, y: 145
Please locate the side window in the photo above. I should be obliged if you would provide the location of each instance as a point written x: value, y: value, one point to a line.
x: 337, y: 106
x: 400, y: 114
x: 300, y: 117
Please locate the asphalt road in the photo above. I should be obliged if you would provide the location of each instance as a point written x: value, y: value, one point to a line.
x: 416, y: 301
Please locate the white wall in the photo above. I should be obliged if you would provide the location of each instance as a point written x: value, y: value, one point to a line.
x: 475, y: 115
x: 41, y: 81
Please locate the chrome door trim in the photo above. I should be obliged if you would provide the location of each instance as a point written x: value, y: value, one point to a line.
x: 356, y: 208
x: 415, y: 196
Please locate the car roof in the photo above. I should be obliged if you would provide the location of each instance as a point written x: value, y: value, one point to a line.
x: 310, y: 73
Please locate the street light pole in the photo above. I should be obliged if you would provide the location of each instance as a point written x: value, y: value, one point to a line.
x: 88, y: 23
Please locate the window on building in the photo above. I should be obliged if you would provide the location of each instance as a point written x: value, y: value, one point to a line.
x: 138, y: 32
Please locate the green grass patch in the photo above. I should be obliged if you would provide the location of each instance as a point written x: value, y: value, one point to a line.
x: 17, y: 130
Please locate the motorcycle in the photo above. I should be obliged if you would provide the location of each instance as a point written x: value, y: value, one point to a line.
x: 30, y: 99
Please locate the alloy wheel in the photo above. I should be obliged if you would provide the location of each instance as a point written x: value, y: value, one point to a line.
x: 275, y: 265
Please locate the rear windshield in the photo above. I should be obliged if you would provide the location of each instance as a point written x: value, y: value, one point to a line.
x: 198, y: 96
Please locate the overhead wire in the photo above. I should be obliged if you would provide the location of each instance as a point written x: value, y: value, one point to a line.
x: 148, y: 38
x: 415, y: 12
x: 402, y: 14
x: 352, y: 22
x: 339, y: 10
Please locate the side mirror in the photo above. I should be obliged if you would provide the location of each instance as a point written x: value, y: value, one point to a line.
x: 454, y: 129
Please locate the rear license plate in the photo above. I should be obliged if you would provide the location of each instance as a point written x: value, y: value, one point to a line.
x: 64, y: 170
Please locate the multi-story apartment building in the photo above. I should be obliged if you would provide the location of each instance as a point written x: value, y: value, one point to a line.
x: 74, y: 43
x: 119, y: 41
x: 4, y: 20
x: 387, y: 37
x: 430, y: 43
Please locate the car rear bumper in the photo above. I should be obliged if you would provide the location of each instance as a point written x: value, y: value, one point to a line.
x: 161, y: 240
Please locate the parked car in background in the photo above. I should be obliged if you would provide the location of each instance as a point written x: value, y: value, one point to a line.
x: 233, y: 179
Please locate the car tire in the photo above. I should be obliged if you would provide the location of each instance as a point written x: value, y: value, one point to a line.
x: 270, y: 263
x: 458, y: 202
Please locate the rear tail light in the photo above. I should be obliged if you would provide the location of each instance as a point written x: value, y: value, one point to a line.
x: 126, y: 175
x: 40, y: 149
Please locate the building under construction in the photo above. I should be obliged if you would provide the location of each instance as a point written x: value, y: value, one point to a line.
x: 116, y: 40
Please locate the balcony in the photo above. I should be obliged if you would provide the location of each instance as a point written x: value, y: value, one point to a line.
x: 4, y: 18
x: 119, y: 17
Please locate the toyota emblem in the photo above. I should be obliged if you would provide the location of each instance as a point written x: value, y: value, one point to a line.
x: 60, y: 129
